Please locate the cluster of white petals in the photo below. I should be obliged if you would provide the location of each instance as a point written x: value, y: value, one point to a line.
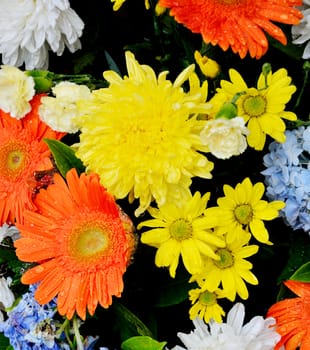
x: 257, y: 334
x: 7, y: 297
x: 9, y: 231
x: 61, y: 112
x: 16, y: 90
x: 225, y: 137
x: 30, y: 28
x: 301, y: 32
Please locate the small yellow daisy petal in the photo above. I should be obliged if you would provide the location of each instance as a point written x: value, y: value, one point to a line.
x: 155, y: 237
x: 259, y: 230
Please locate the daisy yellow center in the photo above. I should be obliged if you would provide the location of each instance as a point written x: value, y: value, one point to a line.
x: 181, y: 229
x: 13, y: 159
x: 254, y: 106
x: 243, y: 214
x: 207, y: 298
x: 226, y: 259
x: 89, y: 241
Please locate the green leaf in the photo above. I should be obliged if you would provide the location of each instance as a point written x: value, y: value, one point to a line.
x: 65, y: 157
x: 142, y: 343
x: 129, y: 324
x: 174, y: 291
x: 302, y: 274
x: 299, y: 254
x: 4, y: 343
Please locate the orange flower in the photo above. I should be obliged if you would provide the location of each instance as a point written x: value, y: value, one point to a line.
x: 22, y: 152
x: 239, y: 24
x: 293, y: 317
x: 82, y: 242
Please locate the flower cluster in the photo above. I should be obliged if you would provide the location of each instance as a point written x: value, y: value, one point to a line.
x: 152, y: 167
x: 288, y: 178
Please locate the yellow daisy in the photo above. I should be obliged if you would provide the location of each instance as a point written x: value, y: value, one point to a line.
x: 262, y: 107
x: 231, y: 270
x: 118, y: 3
x: 141, y: 134
x: 208, y: 67
x: 205, y: 305
x: 243, y: 209
x: 182, y: 229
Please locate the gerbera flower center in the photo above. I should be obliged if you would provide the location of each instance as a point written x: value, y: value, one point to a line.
x: 207, y: 298
x: 89, y: 241
x: 254, y: 106
x: 243, y: 214
x: 13, y: 159
x: 226, y: 259
x: 181, y: 229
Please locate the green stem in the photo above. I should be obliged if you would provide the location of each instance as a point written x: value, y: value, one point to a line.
x: 77, y: 335
x: 306, y: 68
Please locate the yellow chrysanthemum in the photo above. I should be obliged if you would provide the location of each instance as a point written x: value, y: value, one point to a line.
x: 231, y: 270
x: 243, y: 209
x: 141, y: 134
x: 262, y: 107
x: 182, y: 229
x: 205, y: 305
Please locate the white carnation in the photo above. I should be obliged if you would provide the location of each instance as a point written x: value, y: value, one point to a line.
x: 225, y: 137
x: 61, y: 112
x: 30, y: 28
x: 16, y: 90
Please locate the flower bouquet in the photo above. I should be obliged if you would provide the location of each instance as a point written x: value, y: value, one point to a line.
x: 154, y: 175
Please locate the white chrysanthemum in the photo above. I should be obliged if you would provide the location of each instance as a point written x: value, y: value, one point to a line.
x: 301, y: 32
x: 61, y: 112
x: 6, y: 295
x: 258, y: 334
x: 225, y: 137
x: 16, y: 90
x: 30, y: 28
x: 9, y: 231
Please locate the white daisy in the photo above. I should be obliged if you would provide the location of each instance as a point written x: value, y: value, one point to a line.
x: 30, y: 28
x: 258, y: 334
x: 301, y: 32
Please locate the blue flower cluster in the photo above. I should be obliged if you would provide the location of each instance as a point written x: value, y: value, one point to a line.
x: 287, y: 177
x: 30, y: 326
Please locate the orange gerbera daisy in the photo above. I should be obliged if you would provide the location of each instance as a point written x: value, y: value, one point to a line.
x: 239, y: 24
x: 22, y: 153
x: 82, y: 241
x: 293, y: 317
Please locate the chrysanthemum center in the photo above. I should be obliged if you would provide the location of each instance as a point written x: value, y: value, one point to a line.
x: 226, y: 259
x: 181, y: 229
x: 243, y: 214
x: 254, y: 106
x: 88, y: 241
x: 13, y: 159
x: 207, y: 298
